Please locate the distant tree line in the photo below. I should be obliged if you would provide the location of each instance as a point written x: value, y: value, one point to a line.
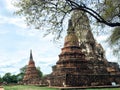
x: 9, y: 78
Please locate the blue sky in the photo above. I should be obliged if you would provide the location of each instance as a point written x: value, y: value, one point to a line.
x: 16, y: 40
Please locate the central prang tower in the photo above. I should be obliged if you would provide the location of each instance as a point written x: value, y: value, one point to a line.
x: 73, y: 69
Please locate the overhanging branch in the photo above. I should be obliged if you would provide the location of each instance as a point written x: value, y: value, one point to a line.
x: 92, y: 13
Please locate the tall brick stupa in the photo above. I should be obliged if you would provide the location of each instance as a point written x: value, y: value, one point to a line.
x: 82, y: 61
x: 31, y: 74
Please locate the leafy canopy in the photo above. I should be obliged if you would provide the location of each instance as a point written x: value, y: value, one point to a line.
x: 114, y: 41
x: 51, y: 14
x: 112, y: 14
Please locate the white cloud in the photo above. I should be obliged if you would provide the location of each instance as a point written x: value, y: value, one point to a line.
x: 3, y: 32
x: 17, y: 21
x: 44, y: 51
x: 9, y: 5
x: 16, y: 55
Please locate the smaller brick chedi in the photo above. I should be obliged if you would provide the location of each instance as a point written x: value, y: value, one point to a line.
x: 31, y: 74
x: 73, y: 69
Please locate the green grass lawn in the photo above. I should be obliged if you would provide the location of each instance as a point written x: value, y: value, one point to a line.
x: 26, y: 87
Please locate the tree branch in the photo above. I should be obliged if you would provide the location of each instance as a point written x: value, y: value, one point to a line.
x: 92, y: 13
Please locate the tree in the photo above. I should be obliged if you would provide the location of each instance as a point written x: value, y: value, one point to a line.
x: 114, y: 41
x: 39, y: 13
x: 14, y: 79
x: 112, y: 13
x: 20, y: 76
x: 23, y: 69
x: 1, y: 80
x: 39, y: 71
x: 22, y: 73
x: 111, y: 10
x: 9, y: 78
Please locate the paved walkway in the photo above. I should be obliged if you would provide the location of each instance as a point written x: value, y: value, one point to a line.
x: 86, y: 87
x: 1, y: 88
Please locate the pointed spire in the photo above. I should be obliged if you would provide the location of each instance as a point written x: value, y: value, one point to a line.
x: 31, y: 61
x: 70, y: 27
x: 31, y: 57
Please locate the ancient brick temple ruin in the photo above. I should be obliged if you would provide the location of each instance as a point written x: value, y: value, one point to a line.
x: 82, y: 61
x: 31, y: 74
